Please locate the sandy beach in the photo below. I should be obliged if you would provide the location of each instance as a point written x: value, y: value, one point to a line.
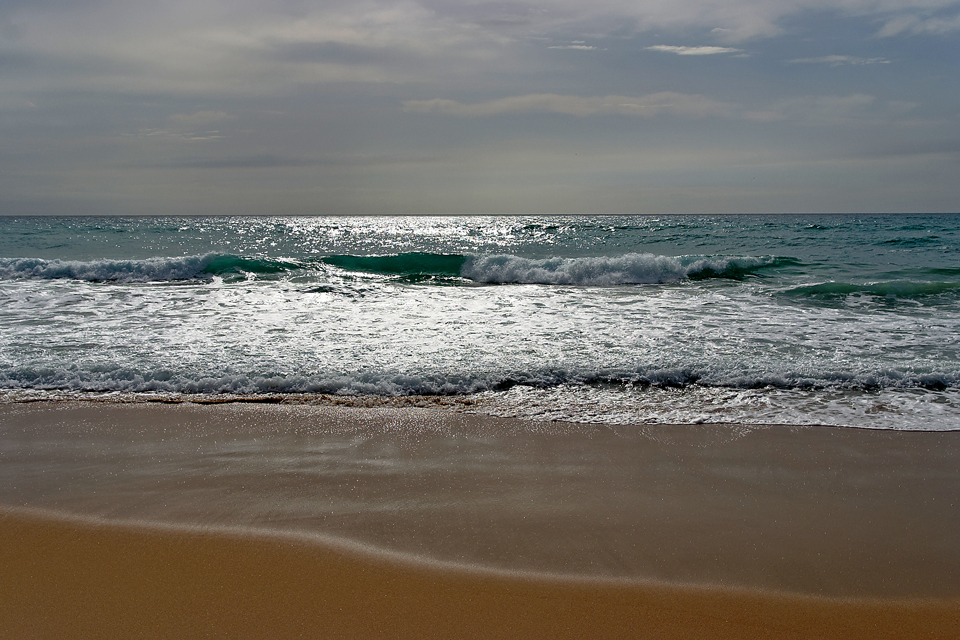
x: 155, y: 521
x: 68, y: 578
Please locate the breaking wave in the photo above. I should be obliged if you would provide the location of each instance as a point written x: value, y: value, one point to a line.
x: 147, y: 270
x: 433, y: 383
x: 631, y: 268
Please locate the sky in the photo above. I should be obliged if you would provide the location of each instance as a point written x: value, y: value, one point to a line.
x: 300, y: 107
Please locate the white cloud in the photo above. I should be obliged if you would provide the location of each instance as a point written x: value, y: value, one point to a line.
x: 645, y: 106
x: 692, y: 51
x: 836, y: 61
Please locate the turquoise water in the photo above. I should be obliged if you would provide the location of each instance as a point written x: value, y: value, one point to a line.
x: 848, y: 320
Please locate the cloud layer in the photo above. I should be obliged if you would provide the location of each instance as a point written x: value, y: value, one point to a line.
x: 439, y: 105
x: 644, y: 106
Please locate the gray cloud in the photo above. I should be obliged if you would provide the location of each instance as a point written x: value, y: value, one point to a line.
x: 200, y: 118
x: 854, y: 108
x: 261, y: 48
x: 384, y: 105
x: 307, y: 51
x: 258, y: 161
x: 277, y: 161
x: 836, y: 61
x: 643, y: 106
x: 912, y: 24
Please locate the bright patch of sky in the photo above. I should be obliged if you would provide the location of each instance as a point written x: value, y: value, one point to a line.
x: 436, y: 106
x: 692, y: 51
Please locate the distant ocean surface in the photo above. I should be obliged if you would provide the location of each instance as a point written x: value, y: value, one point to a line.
x: 798, y: 319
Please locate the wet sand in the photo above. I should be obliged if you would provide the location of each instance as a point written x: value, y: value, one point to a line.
x: 285, y: 521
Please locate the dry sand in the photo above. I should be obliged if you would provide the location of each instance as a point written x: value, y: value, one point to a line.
x: 73, y: 579
x: 710, y: 532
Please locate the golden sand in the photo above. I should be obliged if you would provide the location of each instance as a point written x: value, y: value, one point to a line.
x: 69, y: 578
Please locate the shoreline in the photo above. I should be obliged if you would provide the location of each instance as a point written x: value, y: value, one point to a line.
x: 468, y: 404
x: 275, y: 520
x: 72, y: 577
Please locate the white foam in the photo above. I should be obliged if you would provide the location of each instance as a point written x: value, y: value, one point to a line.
x: 631, y: 268
x: 147, y: 270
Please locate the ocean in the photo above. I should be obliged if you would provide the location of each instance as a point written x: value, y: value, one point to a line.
x: 847, y: 320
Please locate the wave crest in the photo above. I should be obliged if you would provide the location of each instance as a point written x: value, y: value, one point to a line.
x: 631, y: 268
x: 891, y: 289
x: 146, y: 270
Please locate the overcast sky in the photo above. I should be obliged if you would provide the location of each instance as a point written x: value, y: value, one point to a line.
x: 460, y: 106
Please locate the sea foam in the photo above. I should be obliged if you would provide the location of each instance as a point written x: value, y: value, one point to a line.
x: 146, y: 270
x: 631, y: 268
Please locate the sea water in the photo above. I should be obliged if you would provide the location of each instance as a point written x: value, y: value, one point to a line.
x: 849, y: 320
